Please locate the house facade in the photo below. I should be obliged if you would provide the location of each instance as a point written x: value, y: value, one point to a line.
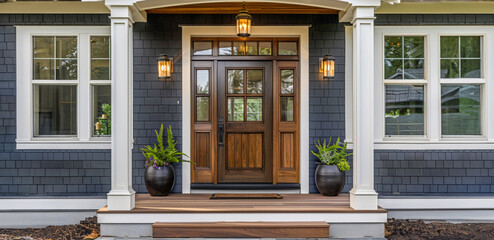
x: 412, y: 95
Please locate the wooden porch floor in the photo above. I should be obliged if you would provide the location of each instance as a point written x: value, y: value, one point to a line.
x: 200, y: 203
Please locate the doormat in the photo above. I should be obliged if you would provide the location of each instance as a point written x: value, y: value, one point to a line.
x: 245, y: 196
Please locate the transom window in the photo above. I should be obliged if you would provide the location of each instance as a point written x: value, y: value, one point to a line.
x: 284, y: 47
x: 68, y: 80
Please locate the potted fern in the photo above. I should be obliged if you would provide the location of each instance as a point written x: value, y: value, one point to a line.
x: 332, y: 165
x: 160, y: 174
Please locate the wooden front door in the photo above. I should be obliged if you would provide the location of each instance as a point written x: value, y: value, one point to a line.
x: 245, y: 116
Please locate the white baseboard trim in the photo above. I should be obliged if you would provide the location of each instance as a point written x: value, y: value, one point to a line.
x: 39, y: 219
x: 51, y: 204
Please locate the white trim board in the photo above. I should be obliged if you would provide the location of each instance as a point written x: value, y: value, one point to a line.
x: 259, y: 31
x: 61, y: 204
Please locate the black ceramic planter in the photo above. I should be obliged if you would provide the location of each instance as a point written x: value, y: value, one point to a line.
x: 329, y: 180
x: 160, y: 181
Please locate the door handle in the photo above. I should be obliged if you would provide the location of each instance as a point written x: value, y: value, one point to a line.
x: 221, y: 129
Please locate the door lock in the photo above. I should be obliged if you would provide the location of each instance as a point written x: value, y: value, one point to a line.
x: 221, y: 129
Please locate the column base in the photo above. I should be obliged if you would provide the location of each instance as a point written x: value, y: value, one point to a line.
x: 122, y: 200
x: 363, y: 199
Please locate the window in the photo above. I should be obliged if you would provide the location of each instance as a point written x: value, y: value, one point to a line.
x: 433, y: 91
x: 404, y: 82
x: 64, y: 91
x: 245, y: 95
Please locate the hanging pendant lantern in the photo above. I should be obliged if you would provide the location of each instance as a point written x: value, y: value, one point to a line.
x: 326, y: 66
x: 165, y: 67
x: 244, y: 20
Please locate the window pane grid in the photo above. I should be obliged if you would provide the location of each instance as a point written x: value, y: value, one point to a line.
x: 400, y: 62
x: 56, y: 66
x: 457, y: 60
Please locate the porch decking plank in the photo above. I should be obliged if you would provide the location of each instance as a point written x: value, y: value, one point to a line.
x: 200, y: 203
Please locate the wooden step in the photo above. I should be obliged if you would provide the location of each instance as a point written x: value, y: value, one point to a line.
x: 241, y: 230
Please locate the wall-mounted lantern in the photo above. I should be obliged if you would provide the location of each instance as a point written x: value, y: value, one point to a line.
x: 165, y: 67
x: 326, y: 66
x: 244, y: 20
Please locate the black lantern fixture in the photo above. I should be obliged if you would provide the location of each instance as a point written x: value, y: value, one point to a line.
x: 165, y: 67
x: 326, y: 66
x: 244, y: 20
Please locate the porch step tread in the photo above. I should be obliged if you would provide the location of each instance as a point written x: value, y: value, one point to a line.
x: 241, y: 229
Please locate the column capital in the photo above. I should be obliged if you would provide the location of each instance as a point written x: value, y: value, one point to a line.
x: 363, y: 13
x: 126, y: 9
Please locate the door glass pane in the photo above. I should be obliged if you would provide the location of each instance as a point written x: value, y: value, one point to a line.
x: 287, y: 48
x: 225, y: 48
x: 235, y: 109
x: 265, y: 48
x: 238, y: 48
x: 102, y: 110
x: 404, y: 110
x: 287, y: 109
x: 55, y: 110
x: 460, y: 109
x: 235, y: 81
x: 203, y: 48
x: 251, y: 48
x: 100, y: 58
x: 202, y: 81
x: 202, y: 109
x: 254, y: 81
x: 254, y: 109
x: 286, y: 81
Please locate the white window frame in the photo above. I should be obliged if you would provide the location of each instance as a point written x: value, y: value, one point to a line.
x: 24, y: 90
x: 432, y: 138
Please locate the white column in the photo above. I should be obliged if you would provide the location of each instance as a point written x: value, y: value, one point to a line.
x: 362, y: 195
x: 121, y: 195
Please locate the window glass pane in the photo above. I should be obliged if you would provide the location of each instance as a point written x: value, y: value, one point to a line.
x: 287, y: 48
x: 470, y: 46
x: 460, y: 109
x: 404, y: 110
x: 254, y: 81
x: 235, y: 109
x: 102, y: 110
x: 393, y: 69
x: 66, y: 47
x: 202, y: 109
x: 66, y: 69
x: 450, y: 68
x: 254, y: 109
x: 238, y: 48
x: 202, y: 81
x: 265, y: 48
x: 287, y: 109
x: 470, y: 68
x: 393, y: 47
x: 286, y: 81
x: 251, y: 48
x: 225, y: 48
x: 43, y: 69
x: 203, y: 48
x: 100, y: 58
x: 404, y: 57
x: 43, y: 47
x: 449, y: 47
x: 235, y: 81
x: 55, y: 110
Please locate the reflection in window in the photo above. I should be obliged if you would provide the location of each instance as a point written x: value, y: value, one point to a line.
x: 202, y: 112
x: 203, y: 48
x: 100, y: 58
x: 202, y: 81
x: 287, y: 48
x: 404, y: 57
x: 254, y: 109
x: 238, y: 48
x: 461, y: 57
x: 54, y: 58
x: 102, y: 110
x: 235, y: 109
x: 251, y: 48
x: 265, y: 48
x: 460, y: 109
x: 287, y: 109
x: 254, y: 81
x: 286, y: 81
x: 55, y: 110
x: 225, y: 48
x: 235, y: 81
x: 404, y: 112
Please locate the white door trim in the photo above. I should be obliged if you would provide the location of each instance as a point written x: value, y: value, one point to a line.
x: 257, y: 31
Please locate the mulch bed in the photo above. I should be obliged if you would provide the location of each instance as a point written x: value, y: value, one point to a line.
x: 419, y: 230
x: 88, y: 229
